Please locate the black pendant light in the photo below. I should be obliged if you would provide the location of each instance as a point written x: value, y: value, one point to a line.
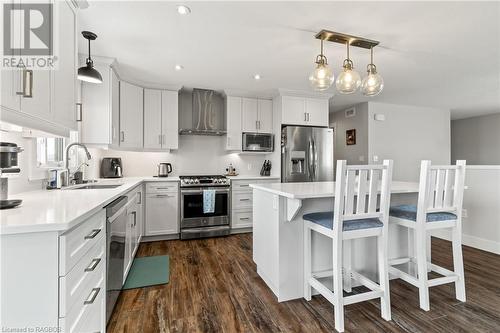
x: 88, y: 73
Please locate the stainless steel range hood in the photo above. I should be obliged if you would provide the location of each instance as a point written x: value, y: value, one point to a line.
x: 206, y: 111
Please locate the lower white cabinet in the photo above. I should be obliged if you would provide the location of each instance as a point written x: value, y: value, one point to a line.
x: 133, y: 233
x: 241, y: 203
x: 162, y: 209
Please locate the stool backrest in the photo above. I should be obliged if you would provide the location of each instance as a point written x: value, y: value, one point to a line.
x: 358, y: 189
x: 441, y: 189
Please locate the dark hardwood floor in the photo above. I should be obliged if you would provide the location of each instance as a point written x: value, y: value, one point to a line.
x: 214, y: 287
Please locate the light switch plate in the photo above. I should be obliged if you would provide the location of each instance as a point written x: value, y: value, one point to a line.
x: 375, y: 158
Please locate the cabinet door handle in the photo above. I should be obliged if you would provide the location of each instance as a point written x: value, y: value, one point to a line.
x: 122, y: 136
x: 139, y: 194
x: 164, y: 196
x: 27, y: 84
x: 93, y: 265
x: 245, y: 199
x: 244, y: 218
x: 308, y: 116
x: 79, y: 112
x: 92, y: 296
x: 93, y: 234
x: 159, y: 139
x: 305, y: 116
x: 163, y: 139
x: 246, y: 185
x: 134, y: 213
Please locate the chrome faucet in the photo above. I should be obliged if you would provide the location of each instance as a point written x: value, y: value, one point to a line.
x: 89, y: 157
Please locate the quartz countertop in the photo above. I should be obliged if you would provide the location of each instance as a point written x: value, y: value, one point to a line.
x: 244, y: 177
x: 61, y: 210
x: 321, y: 189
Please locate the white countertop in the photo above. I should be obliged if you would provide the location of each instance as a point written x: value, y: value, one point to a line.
x: 321, y: 189
x: 61, y: 210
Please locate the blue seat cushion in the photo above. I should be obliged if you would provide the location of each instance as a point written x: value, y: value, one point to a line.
x: 326, y: 220
x: 409, y: 212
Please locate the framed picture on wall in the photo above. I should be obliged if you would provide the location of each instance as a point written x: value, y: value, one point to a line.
x: 350, y: 137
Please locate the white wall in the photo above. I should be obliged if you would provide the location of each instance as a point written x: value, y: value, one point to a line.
x: 196, y: 155
x: 408, y: 135
x: 476, y: 140
x: 354, y: 154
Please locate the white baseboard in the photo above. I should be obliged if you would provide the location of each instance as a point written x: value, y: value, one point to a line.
x: 472, y: 241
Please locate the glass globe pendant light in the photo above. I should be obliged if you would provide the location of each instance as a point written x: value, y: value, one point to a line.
x: 373, y: 83
x: 322, y: 76
x: 348, y: 80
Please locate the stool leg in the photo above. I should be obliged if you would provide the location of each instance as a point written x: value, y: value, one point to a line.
x: 338, y: 306
x: 423, y: 287
x: 383, y: 268
x: 458, y: 264
x: 307, y: 262
x: 347, y: 265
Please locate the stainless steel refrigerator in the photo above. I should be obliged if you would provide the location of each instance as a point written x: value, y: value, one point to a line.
x: 306, y: 154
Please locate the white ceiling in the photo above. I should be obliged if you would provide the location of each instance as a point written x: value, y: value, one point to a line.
x: 439, y: 54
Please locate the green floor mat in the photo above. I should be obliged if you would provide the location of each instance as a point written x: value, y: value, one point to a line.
x: 148, y: 271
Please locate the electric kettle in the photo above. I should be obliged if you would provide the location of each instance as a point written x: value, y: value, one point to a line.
x: 164, y: 169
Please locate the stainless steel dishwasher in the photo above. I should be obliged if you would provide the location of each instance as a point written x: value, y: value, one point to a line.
x: 116, y: 225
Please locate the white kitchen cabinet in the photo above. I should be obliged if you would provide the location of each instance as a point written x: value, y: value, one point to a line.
x: 249, y: 115
x: 133, y: 234
x: 304, y: 111
x: 153, y: 137
x: 162, y: 209
x: 131, y: 115
x: 233, y: 123
x: 64, y: 92
x: 115, y: 109
x: 257, y: 115
x: 161, y: 119
x: 39, y: 98
x: 265, y: 107
x: 170, y: 119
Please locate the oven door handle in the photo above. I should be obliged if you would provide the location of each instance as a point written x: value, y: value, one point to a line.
x: 226, y: 190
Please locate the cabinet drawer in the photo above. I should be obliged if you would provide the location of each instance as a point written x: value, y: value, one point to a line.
x: 90, y: 315
x: 74, y: 244
x: 241, y: 185
x: 162, y: 187
x: 242, y: 200
x: 77, y: 284
x: 241, y: 219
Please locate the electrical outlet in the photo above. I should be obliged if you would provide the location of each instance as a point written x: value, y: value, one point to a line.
x: 375, y: 158
x: 464, y: 213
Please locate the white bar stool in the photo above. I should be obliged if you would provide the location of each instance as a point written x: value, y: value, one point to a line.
x: 439, y: 206
x: 352, y: 219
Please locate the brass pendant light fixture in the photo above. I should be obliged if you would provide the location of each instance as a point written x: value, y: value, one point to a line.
x: 373, y: 83
x: 349, y: 80
x: 322, y: 76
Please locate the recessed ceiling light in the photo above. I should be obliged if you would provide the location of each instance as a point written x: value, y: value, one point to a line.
x: 183, y: 10
x: 256, y: 76
x: 179, y: 67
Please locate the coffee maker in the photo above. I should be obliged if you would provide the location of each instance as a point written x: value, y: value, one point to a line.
x: 111, y: 167
x: 8, y: 169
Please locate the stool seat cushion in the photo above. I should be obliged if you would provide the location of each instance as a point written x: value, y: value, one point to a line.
x: 326, y: 220
x: 409, y: 212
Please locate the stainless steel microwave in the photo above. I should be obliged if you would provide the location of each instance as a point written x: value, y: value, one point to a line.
x: 258, y: 142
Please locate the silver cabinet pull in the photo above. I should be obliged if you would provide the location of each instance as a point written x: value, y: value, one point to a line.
x: 159, y: 139
x: 163, y: 139
x: 244, y: 218
x: 139, y: 194
x: 135, y: 218
x: 122, y: 136
x: 164, y: 196
x: 246, y: 185
x: 308, y: 116
x: 305, y: 116
x: 27, y: 84
x: 93, y: 234
x: 245, y: 199
x: 79, y: 112
x: 92, y: 296
x: 93, y: 265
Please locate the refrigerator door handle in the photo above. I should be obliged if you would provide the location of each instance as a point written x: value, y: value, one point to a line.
x: 310, y: 160
x: 314, y: 162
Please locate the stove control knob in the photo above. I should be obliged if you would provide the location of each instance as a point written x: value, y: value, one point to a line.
x: 196, y: 181
x: 191, y: 181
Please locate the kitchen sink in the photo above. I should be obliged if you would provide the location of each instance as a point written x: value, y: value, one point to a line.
x: 95, y: 187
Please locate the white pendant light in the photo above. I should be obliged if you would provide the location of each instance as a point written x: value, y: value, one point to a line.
x: 373, y: 83
x: 322, y: 76
x: 348, y: 80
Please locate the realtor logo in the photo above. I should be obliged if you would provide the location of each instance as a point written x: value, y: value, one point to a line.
x: 28, y: 35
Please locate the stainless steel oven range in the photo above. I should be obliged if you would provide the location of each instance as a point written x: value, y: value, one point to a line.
x: 194, y: 222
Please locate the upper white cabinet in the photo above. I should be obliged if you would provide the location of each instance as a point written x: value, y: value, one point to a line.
x: 100, y: 107
x: 40, y: 98
x: 161, y: 119
x: 233, y: 123
x: 131, y: 115
x: 257, y: 115
x: 308, y: 111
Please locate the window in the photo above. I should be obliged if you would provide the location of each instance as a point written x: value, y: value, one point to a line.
x: 49, y: 152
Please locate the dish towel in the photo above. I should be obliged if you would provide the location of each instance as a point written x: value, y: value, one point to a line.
x: 208, y: 201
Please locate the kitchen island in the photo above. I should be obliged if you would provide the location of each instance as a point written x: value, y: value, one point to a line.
x: 278, y: 234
